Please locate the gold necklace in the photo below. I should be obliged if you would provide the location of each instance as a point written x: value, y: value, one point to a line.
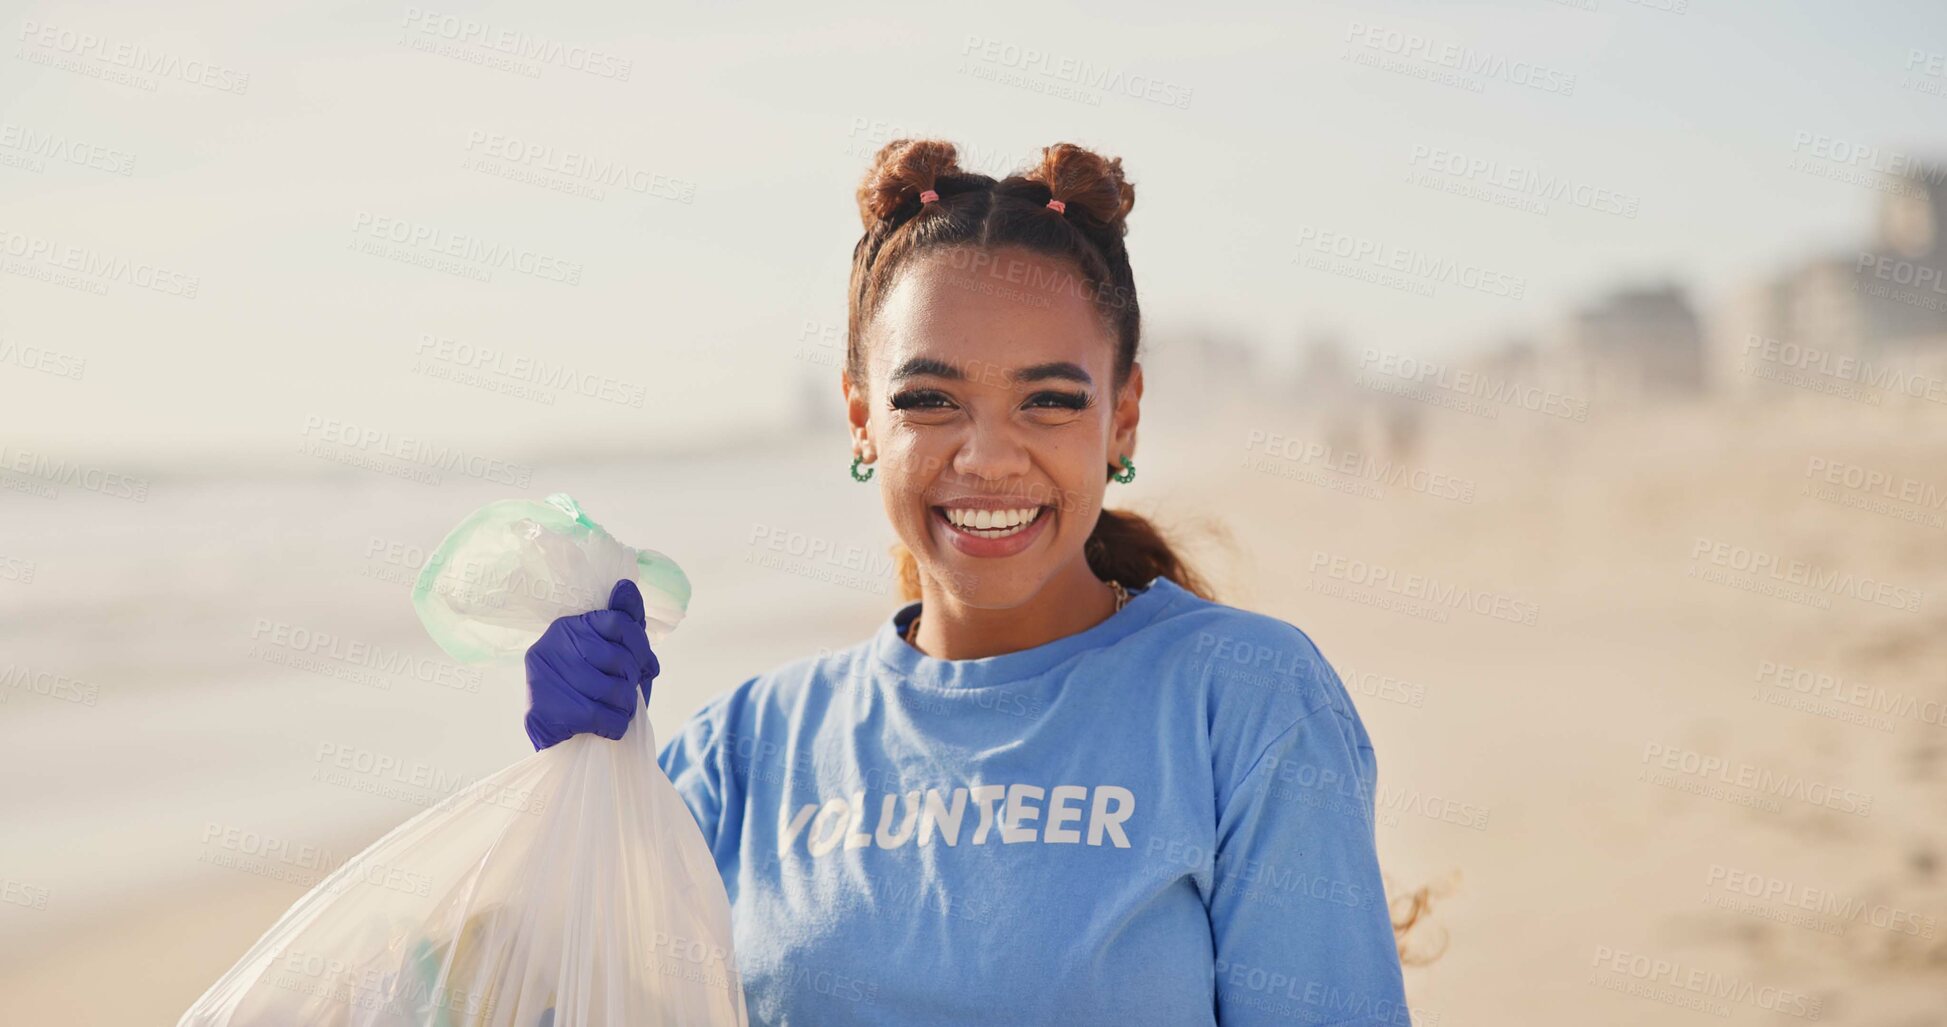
x: 1121, y: 597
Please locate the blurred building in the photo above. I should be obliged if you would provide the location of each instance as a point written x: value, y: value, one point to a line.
x: 1853, y: 316
x: 1324, y: 368
x: 1637, y: 344
x: 1225, y: 357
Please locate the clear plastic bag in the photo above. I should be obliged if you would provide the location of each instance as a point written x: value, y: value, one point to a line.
x: 571, y: 889
x: 500, y: 578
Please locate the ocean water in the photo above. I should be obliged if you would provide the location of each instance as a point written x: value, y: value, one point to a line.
x: 227, y: 676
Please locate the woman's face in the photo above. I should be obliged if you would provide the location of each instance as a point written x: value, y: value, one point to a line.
x: 989, y: 403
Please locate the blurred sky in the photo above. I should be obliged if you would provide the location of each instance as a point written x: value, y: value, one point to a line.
x: 764, y: 115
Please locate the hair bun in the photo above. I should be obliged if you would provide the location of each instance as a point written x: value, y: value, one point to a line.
x: 902, y: 170
x: 1086, y: 182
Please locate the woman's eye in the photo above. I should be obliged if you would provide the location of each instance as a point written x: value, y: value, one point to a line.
x: 1059, y: 401
x: 918, y: 399
x: 932, y: 399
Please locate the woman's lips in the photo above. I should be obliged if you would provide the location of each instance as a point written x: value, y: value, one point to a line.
x: 974, y: 545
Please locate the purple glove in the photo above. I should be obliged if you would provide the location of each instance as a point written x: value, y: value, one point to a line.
x: 582, y: 673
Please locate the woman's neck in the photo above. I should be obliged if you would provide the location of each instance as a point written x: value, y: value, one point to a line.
x: 1071, y: 602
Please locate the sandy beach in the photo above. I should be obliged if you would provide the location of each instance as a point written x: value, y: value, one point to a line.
x: 1542, y: 747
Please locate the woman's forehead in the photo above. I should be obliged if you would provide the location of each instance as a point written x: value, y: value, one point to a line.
x: 971, y: 315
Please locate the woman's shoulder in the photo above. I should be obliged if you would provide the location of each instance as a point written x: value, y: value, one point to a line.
x: 1249, y: 655
x: 1260, y: 682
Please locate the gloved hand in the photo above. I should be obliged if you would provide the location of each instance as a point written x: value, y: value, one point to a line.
x: 582, y: 673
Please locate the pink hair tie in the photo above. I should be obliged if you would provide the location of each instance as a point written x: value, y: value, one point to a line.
x: 1057, y: 206
x: 928, y: 196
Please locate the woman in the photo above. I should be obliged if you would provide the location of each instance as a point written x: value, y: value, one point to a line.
x: 1065, y: 785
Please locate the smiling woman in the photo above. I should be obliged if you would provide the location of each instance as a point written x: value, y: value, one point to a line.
x: 991, y: 376
x: 1044, y: 790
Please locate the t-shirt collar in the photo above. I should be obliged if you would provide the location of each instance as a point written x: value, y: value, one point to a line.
x: 891, y: 649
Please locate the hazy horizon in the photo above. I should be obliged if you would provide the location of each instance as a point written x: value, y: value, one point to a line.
x: 720, y: 247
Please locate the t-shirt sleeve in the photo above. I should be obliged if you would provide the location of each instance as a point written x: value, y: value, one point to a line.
x: 1297, y: 910
x: 692, y: 761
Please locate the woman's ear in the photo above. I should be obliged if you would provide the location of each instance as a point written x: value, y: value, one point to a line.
x: 856, y: 414
x: 1128, y: 411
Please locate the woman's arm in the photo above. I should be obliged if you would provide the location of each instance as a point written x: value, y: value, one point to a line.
x: 1297, y: 910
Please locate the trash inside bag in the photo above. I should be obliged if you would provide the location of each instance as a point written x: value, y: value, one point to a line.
x: 505, y: 574
x: 571, y: 889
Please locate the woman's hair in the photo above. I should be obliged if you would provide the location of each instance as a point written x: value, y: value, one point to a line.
x: 975, y: 213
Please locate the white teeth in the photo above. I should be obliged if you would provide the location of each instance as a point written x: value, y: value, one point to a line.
x: 1000, y: 522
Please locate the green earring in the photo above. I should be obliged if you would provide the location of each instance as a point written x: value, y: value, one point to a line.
x: 856, y: 476
x: 1128, y: 473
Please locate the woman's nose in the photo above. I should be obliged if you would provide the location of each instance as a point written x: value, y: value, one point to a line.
x: 992, y: 453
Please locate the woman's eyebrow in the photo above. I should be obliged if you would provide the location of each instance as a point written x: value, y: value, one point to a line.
x: 1057, y: 369
x: 928, y: 366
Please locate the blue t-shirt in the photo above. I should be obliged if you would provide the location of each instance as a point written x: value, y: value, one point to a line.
x: 1166, y: 819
